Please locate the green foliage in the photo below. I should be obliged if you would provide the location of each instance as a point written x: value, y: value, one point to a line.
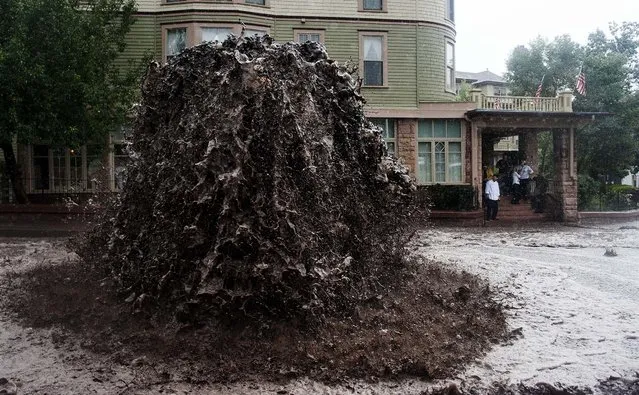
x: 610, y: 146
x: 546, y: 159
x: 464, y: 92
x: 593, y: 195
x: 556, y: 62
x: 448, y: 197
x: 588, y: 189
x: 611, y: 65
x: 58, y: 80
x: 620, y: 188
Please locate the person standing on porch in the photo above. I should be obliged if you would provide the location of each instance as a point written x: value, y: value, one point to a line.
x: 515, y: 189
x: 525, y: 173
x: 492, y: 199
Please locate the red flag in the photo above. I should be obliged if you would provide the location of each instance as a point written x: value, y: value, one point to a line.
x: 581, y: 83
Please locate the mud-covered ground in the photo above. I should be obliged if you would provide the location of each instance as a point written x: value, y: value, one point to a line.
x: 574, y: 308
x: 573, y: 317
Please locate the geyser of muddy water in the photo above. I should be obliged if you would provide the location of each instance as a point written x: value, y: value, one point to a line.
x: 256, y: 188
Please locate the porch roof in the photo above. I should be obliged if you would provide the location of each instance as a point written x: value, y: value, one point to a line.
x: 531, y: 119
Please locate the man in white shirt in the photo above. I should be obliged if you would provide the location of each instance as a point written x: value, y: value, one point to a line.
x: 516, y: 191
x: 492, y: 199
x: 525, y: 173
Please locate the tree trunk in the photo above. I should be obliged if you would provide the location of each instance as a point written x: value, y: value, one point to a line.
x: 12, y: 171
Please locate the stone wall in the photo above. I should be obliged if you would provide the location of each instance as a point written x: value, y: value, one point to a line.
x: 565, y: 184
x: 407, y: 143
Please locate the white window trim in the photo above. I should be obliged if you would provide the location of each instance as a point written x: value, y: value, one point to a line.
x: 190, y: 36
x: 453, y: 82
x: 450, y: 10
x: 297, y: 32
x: 384, y: 36
x: 234, y: 28
x: 194, y: 32
x: 446, y: 140
x: 360, y: 7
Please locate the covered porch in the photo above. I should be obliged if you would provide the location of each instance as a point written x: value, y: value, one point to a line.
x: 493, y: 123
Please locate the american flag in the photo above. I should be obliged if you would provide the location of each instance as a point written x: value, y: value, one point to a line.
x: 539, y: 88
x: 581, y: 83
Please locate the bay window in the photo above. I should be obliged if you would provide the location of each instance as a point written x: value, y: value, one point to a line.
x: 388, y: 133
x: 439, y: 151
x: 212, y: 34
x: 176, y: 41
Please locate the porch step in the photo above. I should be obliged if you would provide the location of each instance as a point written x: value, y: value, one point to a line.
x: 521, y: 212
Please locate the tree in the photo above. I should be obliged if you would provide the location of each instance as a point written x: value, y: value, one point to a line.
x: 59, y: 82
x: 611, y: 64
x: 610, y: 147
x: 556, y: 63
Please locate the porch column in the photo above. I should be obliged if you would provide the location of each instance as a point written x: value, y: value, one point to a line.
x: 478, y: 178
x: 565, y: 180
x: 529, y: 146
x: 407, y: 144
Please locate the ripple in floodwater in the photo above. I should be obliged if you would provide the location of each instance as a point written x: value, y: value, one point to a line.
x: 580, y: 322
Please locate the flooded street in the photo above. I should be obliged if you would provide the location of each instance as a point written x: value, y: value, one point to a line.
x: 574, y: 311
x: 573, y: 315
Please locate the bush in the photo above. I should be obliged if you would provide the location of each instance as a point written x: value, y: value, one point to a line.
x: 448, y: 197
x: 588, y: 190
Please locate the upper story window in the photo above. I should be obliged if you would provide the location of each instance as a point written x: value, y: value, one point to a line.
x: 218, y: 34
x: 388, y: 133
x: 257, y: 2
x: 439, y: 151
x: 450, y: 10
x: 302, y: 36
x: 450, y: 66
x: 176, y: 41
x: 372, y: 5
x: 373, y: 55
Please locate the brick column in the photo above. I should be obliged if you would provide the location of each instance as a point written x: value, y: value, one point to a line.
x: 565, y: 183
x: 407, y: 144
x: 529, y: 146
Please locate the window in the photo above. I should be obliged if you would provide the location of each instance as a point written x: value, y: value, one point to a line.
x: 373, y: 59
x: 500, y: 91
x: 218, y: 34
x: 388, y: 133
x: 302, y: 36
x: 175, y: 41
x: 450, y: 66
x: 120, y: 160
x: 439, y: 151
x: 253, y: 32
x: 256, y: 2
x: 372, y: 5
x: 450, y: 10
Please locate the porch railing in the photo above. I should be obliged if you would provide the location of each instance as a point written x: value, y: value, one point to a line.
x: 561, y: 103
x: 57, y: 187
x: 520, y: 103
